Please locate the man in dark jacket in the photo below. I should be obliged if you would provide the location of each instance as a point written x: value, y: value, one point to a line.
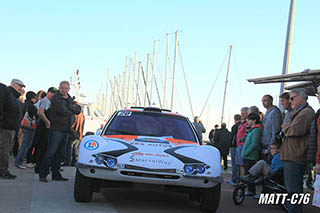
x: 10, y: 119
x: 222, y: 142
x: 233, y: 149
x: 63, y: 109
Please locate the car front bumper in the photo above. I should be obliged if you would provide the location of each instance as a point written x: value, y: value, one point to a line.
x: 147, y: 177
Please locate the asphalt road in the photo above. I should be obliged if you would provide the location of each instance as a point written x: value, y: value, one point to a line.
x: 27, y: 194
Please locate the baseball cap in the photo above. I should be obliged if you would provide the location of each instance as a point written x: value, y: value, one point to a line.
x: 17, y: 81
x: 53, y: 90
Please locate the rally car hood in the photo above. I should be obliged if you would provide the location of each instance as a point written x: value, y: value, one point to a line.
x: 148, y: 153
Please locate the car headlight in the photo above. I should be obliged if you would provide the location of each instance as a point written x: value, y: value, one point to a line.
x: 201, y: 169
x: 188, y: 169
x: 111, y: 162
x: 194, y: 169
x: 99, y: 159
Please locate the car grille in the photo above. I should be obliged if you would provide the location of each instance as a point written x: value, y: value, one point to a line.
x: 148, y: 175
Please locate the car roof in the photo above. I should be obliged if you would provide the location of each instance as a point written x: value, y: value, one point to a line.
x: 309, y: 80
x: 152, y: 110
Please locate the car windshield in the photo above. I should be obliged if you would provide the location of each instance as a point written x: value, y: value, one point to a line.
x: 150, y: 124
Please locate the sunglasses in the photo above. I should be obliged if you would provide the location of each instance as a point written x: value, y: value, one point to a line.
x: 292, y: 98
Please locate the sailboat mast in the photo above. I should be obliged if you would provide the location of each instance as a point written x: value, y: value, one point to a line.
x: 134, y: 102
x: 226, y: 85
x: 138, y: 85
x: 286, y: 57
x: 146, y: 83
x: 106, y: 109
x: 174, y: 70
x: 166, y: 75
x: 153, y: 67
x: 128, y: 86
x: 124, y: 83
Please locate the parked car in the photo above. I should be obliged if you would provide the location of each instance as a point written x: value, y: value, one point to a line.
x: 149, y: 146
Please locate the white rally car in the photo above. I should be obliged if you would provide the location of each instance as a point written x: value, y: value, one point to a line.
x: 149, y: 146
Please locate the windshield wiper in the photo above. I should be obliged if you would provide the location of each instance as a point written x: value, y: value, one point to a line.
x: 122, y: 131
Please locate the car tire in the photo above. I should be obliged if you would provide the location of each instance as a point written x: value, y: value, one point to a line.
x: 83, y: 188
x: 210, y: 198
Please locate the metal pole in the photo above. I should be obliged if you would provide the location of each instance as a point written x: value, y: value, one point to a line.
x: 134, y: 79
x: 208, y: 117
x: 166, y: 75
x: 128, y: 86
x: 147, y: 75
x: 117, y: 93
x: 124, y: 86
x: 153, y: 67
x: 226, y: 85
x: 114, y: 105
x: 174, y: 71
x: 111, y: 102
x: 287, y: 50
x: 185, y: 79
x: 137, y: 93
x: 106, y: 99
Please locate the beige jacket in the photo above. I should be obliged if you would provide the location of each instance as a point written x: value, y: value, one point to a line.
x: 296, y: 134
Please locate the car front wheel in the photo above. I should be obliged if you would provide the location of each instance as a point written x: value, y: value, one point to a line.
x: 83, y: 188
x: 210, y: 198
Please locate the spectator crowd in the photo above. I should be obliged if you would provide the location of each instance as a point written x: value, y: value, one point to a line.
x: 40, y: 129
x: 261, y: 144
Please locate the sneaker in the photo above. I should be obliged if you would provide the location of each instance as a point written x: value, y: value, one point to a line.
x: 20, y: 166
x: 7, y: 175
x: 245, y: 178
x: 43, y: 179
x: 30, y: 165
x: 248, y: 179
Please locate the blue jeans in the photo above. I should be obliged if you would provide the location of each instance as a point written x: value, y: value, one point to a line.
x: 55, y: 152
x: 293, y: 178
x: 239, y: 160
x: 235, y: 168
x: 27, y: 138
x: 68, y: 153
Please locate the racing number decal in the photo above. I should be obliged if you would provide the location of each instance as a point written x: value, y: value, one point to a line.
x: 124, y: 113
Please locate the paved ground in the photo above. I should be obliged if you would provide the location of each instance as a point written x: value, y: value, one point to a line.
x: 27, y: 194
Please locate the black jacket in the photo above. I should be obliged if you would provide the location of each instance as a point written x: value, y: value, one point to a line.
x: 10, y: 109
x: 233, y: 135
x: 222, y: 140
x: 62, y: 112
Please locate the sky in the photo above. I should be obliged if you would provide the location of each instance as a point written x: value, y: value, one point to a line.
x: 44, y: 42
